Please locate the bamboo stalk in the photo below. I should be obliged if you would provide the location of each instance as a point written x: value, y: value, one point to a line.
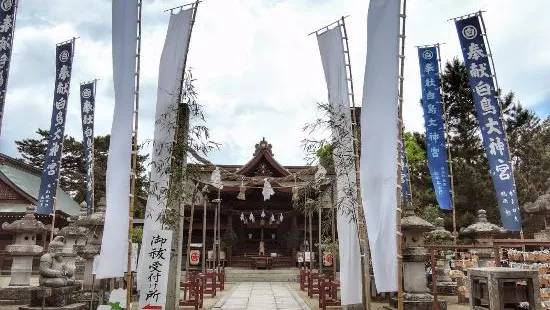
x: 129, y: 284
x: 399, y: 239
x: 362, y: 233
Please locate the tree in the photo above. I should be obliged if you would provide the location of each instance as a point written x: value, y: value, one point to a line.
x: 72, y: 173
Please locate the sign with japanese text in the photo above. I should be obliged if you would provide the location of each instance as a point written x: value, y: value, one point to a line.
x: 87, y: 107
x: 476, y: 59
x: 435, y: 130
x: 194, y: 257
x: 52, y: 158
x: 156, y: 261
x: 8, y: 9
x: 405, y: 186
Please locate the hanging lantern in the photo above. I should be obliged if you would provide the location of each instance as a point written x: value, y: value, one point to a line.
x: 263, y: 214
x: 216, y: 178
x: 242, y: 217
x: 295, y: 191
x: 268, y: 190
x: 281, y: 217
x: 242, y: 190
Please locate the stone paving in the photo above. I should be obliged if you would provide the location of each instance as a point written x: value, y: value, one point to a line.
x: 261, y: 296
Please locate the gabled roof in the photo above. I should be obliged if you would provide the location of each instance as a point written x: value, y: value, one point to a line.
x: 25, y: 180
x: 263, y: 163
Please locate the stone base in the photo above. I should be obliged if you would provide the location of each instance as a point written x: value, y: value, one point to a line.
x: 17, y: 295
x: 54, y: 296
x: 447, y: 288
x: 77, y: 306
x: 418, y: 302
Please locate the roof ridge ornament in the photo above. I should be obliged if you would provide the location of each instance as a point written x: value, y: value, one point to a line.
x: 263, y: 145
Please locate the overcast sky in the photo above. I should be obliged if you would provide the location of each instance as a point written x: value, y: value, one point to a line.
x: 258, y: 73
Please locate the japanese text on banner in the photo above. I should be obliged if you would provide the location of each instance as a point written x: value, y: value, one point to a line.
x: 87, y: 105
x: 7, y: 24
x: 488, y: 112
x: 405, y: 185
x: 435, y: 130
x: 157, y: 262
x: 52, y: 158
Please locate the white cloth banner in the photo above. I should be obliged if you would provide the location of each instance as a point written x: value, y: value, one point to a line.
x: 331, y: 48
x: 157, y: 264
x: 113, y: 255
x: 171, y: 72
x: 379, y: 139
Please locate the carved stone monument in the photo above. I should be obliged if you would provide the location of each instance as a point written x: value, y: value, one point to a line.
x: 445, y: 285
x: 541, y: 207
x: 22, y: 252
x: 483, y: 232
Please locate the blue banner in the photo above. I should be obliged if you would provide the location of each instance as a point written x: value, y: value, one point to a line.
x: 87, y: 107
x: 435, y: 129
x: 405, y: 185
x: 7, y: 24
x: 52, y: 158
x: 489, y: 115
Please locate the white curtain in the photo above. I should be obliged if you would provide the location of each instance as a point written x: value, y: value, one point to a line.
x: 171, y: 72
x: 331, y: 48
x: 379, y: 139
x: 115, y: 234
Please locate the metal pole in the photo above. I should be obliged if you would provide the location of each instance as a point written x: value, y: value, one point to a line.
x: 129, y: 284
x: 401, y: 37
x: 448, y: 145
x: 319, y: 242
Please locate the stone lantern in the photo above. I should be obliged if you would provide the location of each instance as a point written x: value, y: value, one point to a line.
x: 440, y: 235
x: 24, y: 247
x: 483, y: 232
x: 73, y: 235
x: 94, y: 223
x: 541, y: 207
x: 415, y: 256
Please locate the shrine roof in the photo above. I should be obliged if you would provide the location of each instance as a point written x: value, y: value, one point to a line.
x: 25, y: 180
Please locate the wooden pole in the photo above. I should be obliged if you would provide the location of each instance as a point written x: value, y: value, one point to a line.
x: 362, y: 233
x: 448, y: 146
x: 133, y: 173
x: 214, y: 239
x: 189, y: 239
x: 319, y: 241
x: 218, y: 230
x: 311, y: 253
x: 205, y: 198
x: 333, y: 227
x: 401, y: 37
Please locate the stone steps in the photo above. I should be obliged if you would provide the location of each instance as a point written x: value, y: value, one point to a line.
x: 273, y: 275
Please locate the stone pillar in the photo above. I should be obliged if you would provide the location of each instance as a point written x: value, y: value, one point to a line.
x: 94, y: 223
x: 483, y: 232
x: 24, y: 247
x: 415, y: 255
x: 440, y: 235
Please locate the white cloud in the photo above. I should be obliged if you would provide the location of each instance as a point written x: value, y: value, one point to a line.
x: 258, y: 73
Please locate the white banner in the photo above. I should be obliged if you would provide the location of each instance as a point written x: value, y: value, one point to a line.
x: 115, y: 233
x: 379, y: 139
x: 171, y: 72
x: 156, y: 262
x: 331, y: 47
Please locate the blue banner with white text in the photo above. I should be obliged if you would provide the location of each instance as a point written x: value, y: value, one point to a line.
x: 476, y: 60
x: 405, y: 185
x: 7, y: 24
x: 52, y: 158
x: 434, y: 124
x: 87, y: 107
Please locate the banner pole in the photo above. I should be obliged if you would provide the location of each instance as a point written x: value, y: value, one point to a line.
x: 133, y: 172
x: 361, y: 226
x: 401, y: 36
x: 448, y: 144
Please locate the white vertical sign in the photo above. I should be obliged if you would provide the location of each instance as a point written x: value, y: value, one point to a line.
x: 156, y: 263
x: 331, y: 47
x: 115, y: 234
x: 379, y: 139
